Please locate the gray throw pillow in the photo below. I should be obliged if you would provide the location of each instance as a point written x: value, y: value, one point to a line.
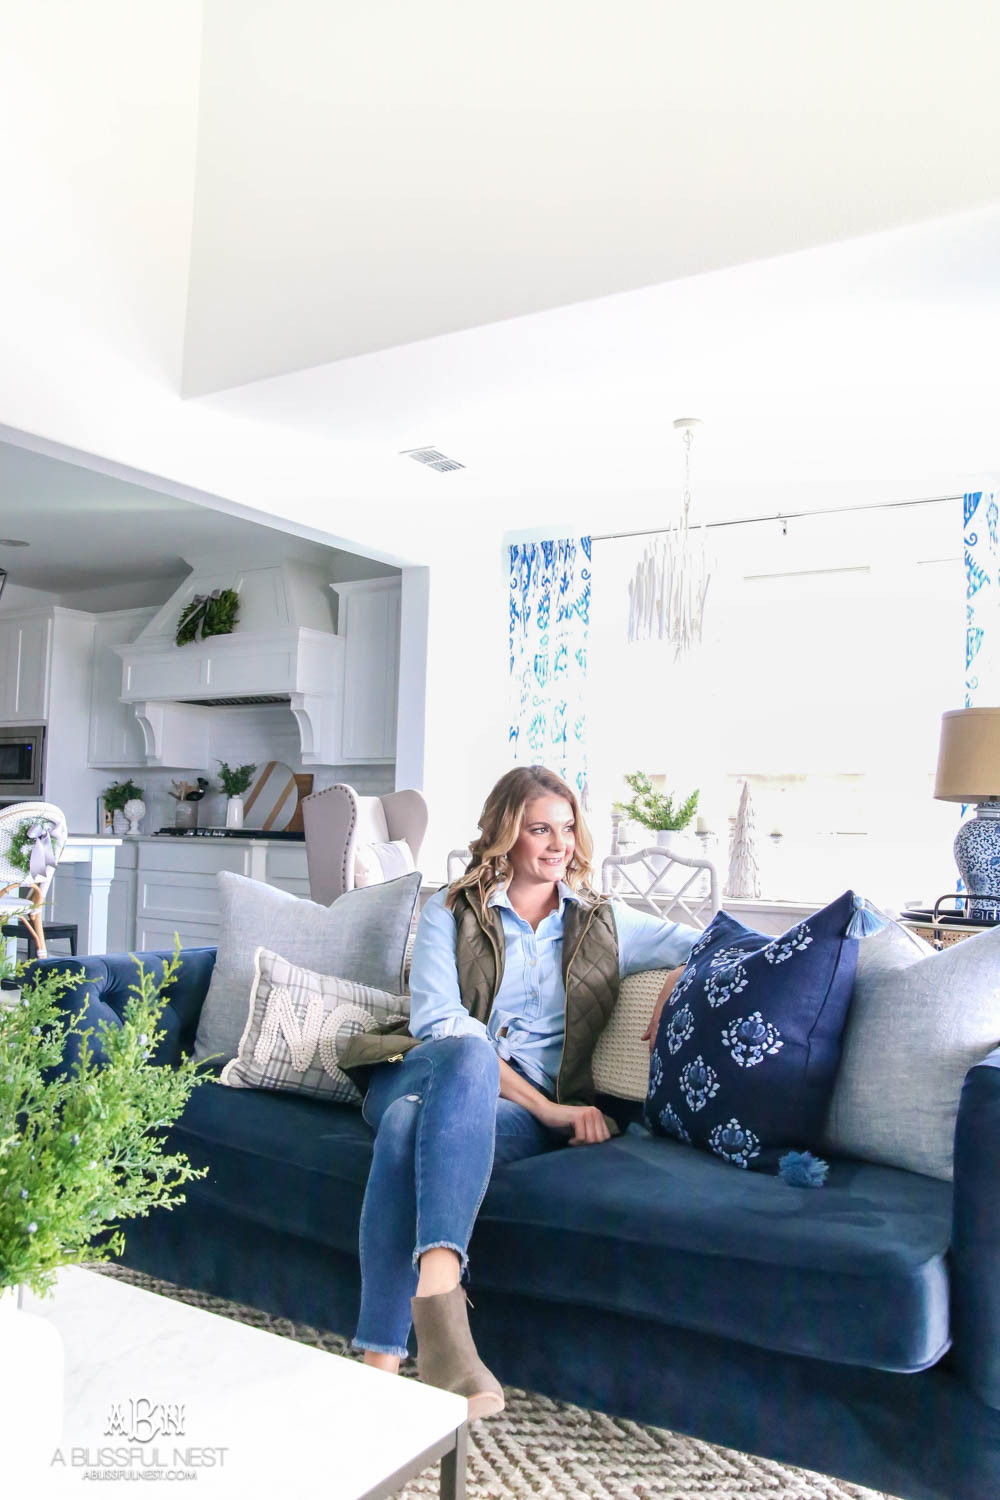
x: 362, y: 936
x: 918, y: 1022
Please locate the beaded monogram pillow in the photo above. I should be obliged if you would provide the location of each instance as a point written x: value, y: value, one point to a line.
x: 296, y: 1023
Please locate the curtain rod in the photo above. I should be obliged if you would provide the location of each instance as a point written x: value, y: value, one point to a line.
x: 788, y: 515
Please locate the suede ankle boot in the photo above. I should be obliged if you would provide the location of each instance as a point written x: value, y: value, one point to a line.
x: 446, y: 1355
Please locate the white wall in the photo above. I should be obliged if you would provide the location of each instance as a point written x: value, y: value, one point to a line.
x: 16, y: 596
x: 466, y: 705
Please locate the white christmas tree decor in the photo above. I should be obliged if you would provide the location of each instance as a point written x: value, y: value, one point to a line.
x: 744, y: 866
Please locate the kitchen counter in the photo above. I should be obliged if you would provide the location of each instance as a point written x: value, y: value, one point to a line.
x: 164, y: 885
x: 249, y: 836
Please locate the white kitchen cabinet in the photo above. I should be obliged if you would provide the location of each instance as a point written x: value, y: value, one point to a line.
x: 288, y: 869
x: 24, y: 666
x: 369, y: 623
x: 115, y: 738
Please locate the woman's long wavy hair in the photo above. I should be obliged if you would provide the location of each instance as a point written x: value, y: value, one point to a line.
x: 500, y: 824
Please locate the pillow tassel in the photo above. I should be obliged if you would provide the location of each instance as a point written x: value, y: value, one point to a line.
x: 802, y: 1169
x: 865, y: 920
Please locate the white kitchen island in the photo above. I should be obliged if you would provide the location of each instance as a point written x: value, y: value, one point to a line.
x: 92, y: 856
x: 164, y: 885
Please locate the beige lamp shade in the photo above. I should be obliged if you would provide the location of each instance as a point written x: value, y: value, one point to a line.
x: 968, y: 767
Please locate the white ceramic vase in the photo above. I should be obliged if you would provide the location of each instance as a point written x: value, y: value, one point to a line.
x: 234, y: 812
x: 31, y: 1388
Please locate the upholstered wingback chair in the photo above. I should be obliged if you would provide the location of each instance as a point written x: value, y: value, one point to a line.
x: 341, y: 829
x: 35, y: 831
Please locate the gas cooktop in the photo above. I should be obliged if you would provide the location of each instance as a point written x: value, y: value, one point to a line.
x: 228, y: 833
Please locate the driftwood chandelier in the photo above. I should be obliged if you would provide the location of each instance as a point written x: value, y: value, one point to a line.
x: 667, y: 592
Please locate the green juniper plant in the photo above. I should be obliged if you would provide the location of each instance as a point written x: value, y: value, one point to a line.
x: 118, y: 793
x: 655, y: 809
x: 234, y: 780
x: 83, y: 1117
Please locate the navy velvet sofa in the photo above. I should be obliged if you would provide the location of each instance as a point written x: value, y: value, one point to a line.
x: 854, y: 1330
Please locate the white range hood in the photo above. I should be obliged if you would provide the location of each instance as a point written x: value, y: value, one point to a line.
x: 282, y: 650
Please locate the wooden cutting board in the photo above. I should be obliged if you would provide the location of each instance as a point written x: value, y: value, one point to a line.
x: 272, y: 799
x: 304, y: 782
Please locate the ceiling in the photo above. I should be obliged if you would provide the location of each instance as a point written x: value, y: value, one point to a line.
x: 86, y: 530
x: 531, y: 245
x: 373, y: 175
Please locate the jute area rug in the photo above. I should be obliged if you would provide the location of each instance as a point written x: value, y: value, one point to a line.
x: 538, y: 1449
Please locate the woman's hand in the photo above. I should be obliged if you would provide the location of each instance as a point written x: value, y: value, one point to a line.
x: 654, y: 1024
x: 585, y: 1123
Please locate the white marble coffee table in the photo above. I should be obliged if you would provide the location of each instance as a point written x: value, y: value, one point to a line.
x: 157, y: 1389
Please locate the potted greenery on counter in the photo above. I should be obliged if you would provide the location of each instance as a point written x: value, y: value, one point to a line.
x: 115, y: 797
x: 234, y: 780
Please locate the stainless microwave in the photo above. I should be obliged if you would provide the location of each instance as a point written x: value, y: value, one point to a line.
x: 22, y: 763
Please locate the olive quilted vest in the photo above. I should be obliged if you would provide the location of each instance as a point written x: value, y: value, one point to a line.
x: 590, y: 977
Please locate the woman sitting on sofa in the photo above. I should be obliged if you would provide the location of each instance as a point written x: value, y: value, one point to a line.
x: 515, y: 971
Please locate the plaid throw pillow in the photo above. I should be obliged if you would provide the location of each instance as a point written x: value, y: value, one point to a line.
x: 296, y: 1023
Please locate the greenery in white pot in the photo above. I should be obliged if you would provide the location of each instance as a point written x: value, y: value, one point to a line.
x: 234, y: 780
x: 83, y: 1117
x: 656, y: 810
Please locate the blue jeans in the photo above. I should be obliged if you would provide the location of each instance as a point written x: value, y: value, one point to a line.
x: 440, y: 1129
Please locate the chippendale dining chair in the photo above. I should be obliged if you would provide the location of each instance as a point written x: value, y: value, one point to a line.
x: 648, y: 875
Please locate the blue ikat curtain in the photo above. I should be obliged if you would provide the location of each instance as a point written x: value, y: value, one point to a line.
x: 982, y: 595
x: 549, y: 621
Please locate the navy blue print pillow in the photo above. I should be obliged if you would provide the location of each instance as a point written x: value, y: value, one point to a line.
x: 747, y: 1047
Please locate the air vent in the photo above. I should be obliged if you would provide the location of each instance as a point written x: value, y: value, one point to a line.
x: 432, y: 459
x: 253, y: 699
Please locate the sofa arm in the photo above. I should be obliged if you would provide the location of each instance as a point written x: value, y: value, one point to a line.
x: 975, y: 1244
x: 106, y: 989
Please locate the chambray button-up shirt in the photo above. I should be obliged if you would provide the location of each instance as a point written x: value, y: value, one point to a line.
x: 526, y: 1023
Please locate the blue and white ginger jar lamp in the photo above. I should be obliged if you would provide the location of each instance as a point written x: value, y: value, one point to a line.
x: 969, y: 771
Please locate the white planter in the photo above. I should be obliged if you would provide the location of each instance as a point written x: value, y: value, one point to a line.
x: 31, y: 1388
x: 234, y: 812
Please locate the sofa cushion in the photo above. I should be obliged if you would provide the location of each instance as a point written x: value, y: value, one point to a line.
x: 748, y: 1043
x: 639, y: 1225
x: 362, y: 936
x: 854, y: 1274
x: 918, y: 1022
x: 290, y: 1162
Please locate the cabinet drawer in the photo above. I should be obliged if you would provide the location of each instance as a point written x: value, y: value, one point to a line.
x: 198, y: 857
x: 156, y: 936
x: 168, y: 896
x: 288, y: 863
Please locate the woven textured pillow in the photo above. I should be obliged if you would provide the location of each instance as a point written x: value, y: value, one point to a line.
x: 296, y: 1022
x: 919, y: 1020
x: 621, y: 1058
x: 748, y: 1043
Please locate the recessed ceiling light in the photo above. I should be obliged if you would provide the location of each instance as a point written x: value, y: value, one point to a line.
x: 12, y: 541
